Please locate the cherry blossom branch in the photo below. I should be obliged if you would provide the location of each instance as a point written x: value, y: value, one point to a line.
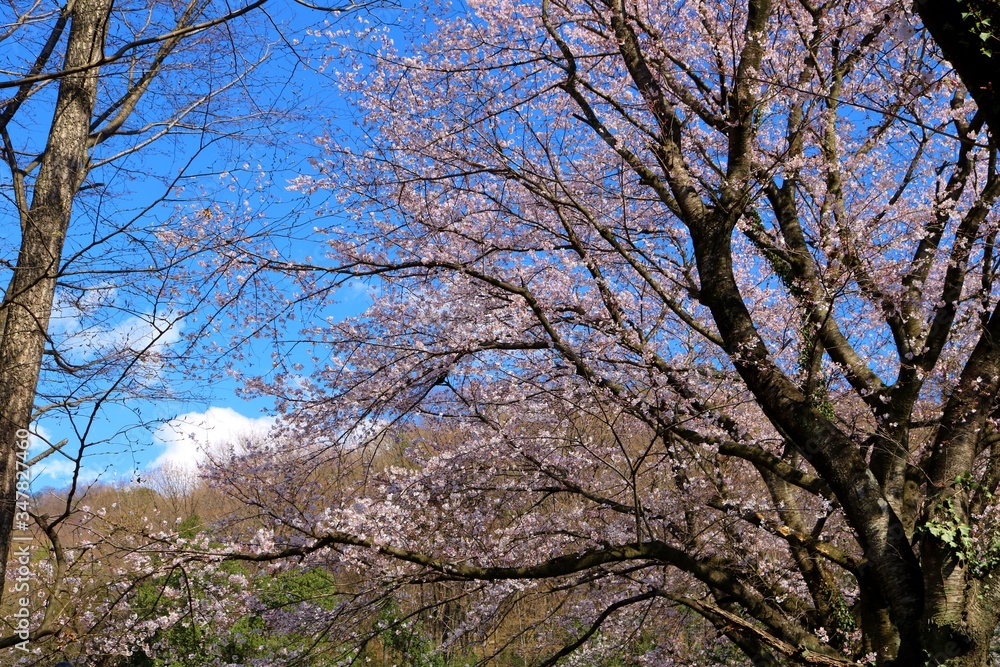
x: 800, y: 654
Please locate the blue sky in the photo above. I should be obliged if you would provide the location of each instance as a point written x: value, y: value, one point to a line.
x: 181, y: 413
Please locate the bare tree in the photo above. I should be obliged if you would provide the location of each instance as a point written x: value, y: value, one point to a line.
x: 135, y: 92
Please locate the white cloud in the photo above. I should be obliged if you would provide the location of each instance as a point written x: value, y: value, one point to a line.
x: 39, y: 440
x: 70, y: 307
x: 188, y: 437
x: 57, y: 470
x: 141, y: 333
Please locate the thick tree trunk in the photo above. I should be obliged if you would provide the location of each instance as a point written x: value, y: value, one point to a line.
x: 959, y: 612
x: 27, y: 305
x: 965, y: 631
x: 968, y: 34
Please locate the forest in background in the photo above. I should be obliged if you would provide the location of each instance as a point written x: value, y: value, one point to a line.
x: 125, y: 609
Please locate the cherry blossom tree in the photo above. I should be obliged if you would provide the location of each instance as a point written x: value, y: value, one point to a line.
x: 680, y: 306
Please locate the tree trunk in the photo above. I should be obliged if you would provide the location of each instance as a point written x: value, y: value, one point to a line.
x: 968, y: 34
x: 27, y: 305
x: 964, y: 639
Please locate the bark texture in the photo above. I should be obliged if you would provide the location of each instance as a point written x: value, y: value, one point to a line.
x: 27, y: 304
